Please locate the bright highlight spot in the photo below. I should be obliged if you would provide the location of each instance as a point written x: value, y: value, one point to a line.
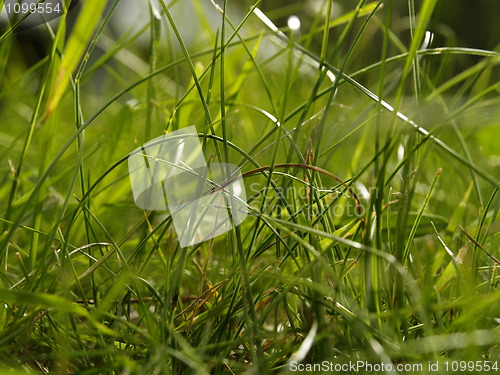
x: 294, y: 23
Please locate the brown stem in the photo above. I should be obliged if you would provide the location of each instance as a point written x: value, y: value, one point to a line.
x: 294, y: 165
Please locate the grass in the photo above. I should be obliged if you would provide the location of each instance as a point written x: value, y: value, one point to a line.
x: 370, y: 158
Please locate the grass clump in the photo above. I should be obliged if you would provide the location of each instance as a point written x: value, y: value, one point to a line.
x: 367, y: 144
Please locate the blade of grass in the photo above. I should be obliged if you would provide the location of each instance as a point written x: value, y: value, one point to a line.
x: 77, y: 44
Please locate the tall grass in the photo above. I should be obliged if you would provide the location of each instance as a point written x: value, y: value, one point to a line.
x: 370, y: 160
